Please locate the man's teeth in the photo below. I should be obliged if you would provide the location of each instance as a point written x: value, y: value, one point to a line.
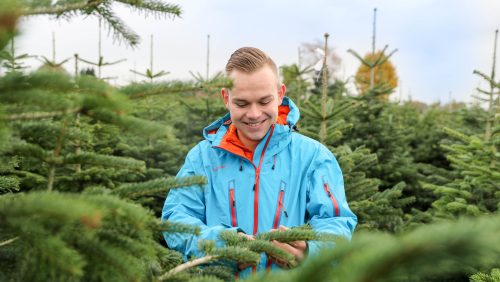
x: 254, y: 123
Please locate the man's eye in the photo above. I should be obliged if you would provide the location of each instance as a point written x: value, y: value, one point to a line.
x: 241, y: 105
x: 265, y: 102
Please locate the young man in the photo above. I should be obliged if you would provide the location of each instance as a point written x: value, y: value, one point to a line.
x: 261, y: 174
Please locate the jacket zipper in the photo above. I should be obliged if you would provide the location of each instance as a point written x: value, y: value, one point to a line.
x: 256, y: 185
x: 256, y: 191
x: 232, y: 204
x: 335, y: 204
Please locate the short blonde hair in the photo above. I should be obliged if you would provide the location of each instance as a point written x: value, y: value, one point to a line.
x: 248, y: 60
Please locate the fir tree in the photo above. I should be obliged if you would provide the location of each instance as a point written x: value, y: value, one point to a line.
x: 326, y: 119
x: 475, y: 159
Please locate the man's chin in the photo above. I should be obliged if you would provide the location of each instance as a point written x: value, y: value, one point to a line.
x: 254, y: 136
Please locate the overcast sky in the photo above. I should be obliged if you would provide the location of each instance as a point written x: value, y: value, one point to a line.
x: 439, y: 42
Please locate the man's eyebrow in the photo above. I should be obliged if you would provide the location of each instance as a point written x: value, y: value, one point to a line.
x: 239, y: 100
x: 266, y: 97
x: 243, y: 100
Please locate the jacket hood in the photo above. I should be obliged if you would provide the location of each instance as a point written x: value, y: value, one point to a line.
x: 288, y: 113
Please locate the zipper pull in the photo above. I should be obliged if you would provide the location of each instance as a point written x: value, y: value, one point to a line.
x: 254, y: 187
x: 284, y: 210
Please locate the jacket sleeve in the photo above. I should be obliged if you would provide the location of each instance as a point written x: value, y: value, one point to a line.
x: 326, y: 202
x: 187, y: 206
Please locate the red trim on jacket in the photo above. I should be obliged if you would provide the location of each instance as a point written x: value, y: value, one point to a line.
x: 334, y: 201
x: 276, y: 221
x: 233, y: 207
x: 278, y: 210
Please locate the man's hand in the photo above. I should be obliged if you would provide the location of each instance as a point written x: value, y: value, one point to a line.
x: 296, y: 248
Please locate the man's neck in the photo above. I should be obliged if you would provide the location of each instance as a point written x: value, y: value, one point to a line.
x: 250, y: 144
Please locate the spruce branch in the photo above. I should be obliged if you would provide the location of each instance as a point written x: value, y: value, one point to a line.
x: 121, y: 32
x: 260, y: 246
x: 140, y: 90
x: 101, y: 62
x: 187, y: 265
x: 156, y: 7
x: 8, y: 184
x: 257, y: 246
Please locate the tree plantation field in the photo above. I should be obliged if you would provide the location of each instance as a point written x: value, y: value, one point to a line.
x: 85, y: 168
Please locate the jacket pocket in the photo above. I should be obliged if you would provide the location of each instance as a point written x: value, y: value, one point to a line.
x: 232, y: 203
x: 280, y: 207
x: 336, y: 211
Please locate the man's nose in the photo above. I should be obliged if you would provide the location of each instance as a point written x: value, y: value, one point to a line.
x: 254, y: 112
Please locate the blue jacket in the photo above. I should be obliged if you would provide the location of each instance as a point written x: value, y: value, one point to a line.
x: 291, y: 180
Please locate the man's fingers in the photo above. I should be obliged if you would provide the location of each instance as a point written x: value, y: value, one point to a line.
x: 249, y: 237
x: 284, y: 246
x: 287, y: 248
x: 298, y: 254
x: 301, y: 245
x: 242, y: 266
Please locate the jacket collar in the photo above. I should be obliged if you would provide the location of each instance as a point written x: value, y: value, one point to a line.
x: 221, y: 133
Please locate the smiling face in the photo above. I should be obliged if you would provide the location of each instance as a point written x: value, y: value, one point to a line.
x: 253, y: 103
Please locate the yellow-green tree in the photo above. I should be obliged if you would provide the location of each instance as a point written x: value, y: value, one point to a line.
x: 385, y: 77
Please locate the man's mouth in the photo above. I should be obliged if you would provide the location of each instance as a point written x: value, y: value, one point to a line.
x: 254, y: 124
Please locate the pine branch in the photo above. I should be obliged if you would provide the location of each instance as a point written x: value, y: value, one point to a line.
x: 9, y: 241
x: 311, y: 111
x: 175, y: 227
x: 222, y: 272
x: 286, y: 236
x: 427, y: 252
x: 27, y: 149
x: 104, y: 160
x: 485, y: 77
x: 366, y: 63
x: 59, y: 10
x: 103, y: 8
x: 456, y: 134
x: 237, y: 254
x: 156, y: 186
x: 131, y: 123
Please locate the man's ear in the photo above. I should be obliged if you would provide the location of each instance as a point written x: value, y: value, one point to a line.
x: 225, y: 96
x: 281, y: 92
